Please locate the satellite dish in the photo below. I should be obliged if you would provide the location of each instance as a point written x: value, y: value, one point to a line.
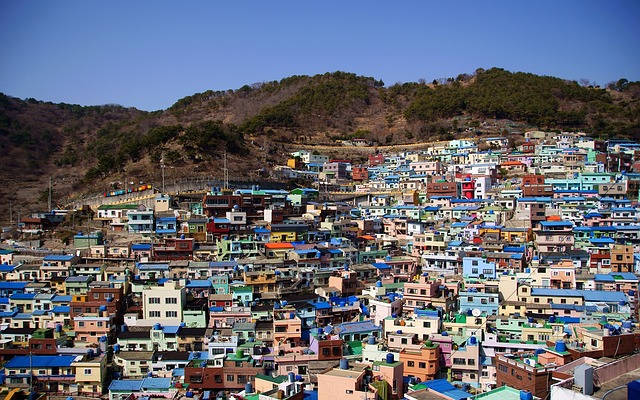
x: 476, y: 312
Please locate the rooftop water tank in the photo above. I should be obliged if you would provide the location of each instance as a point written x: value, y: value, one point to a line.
x: 526, y: 395
x: 560, y: 346
x: 371, y: 340
x: 390, y: 358
x: 344, y: 363
x: 473, y: 340
x: 378, y: 284
x: 291, y: 376
x: 248, y: 388
x: 157, y: 327
x: 189, y: 394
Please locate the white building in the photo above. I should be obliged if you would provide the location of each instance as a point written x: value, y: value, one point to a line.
x: 163, y: 304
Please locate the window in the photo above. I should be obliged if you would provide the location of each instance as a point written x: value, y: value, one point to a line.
x: 422, y: 365
x: 154, y: 314
x: 171, y: 300
x: 230, y: 378
x: 154, y: 300
x: 171, y: 314
x: 81, y: 324
x: 87, y: 371
x: 411, y: 364
x: 459, y: 361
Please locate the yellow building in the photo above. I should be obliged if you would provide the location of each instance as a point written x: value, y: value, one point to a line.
x: 91, y: 373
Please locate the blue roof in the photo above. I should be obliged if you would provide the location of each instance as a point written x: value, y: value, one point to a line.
x: 4, y: 300
x: 605, y: 240
x: 261, y: 230
x: 171, y: 330
x: 7, y: 268
x: 148, y: 267
x: 556, y: 223
x: 444, y: 387
x: 381, y: 265
x: 588, y: 295
x: 62, y: 299
x: 23, y: 296
x: 40, y: 361
x: 629, y: 276
x: 306, y: 251
x: 61, y: 309
x: 141, y: 246
x: 126, y: 385
x: 221, y: 220
x: 320, y: 305
x: 354, y: 327
x: 57, y: 257
x: 199, y: 283
x: 514, y: 249
x: 600, y: 295
x: 13, y: 285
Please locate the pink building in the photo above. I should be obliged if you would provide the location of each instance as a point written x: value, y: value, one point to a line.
x: 287, y: 330
x: 90, y: 327
x: 401, y: 269
x: 350, y: 381
x: 427, y: 290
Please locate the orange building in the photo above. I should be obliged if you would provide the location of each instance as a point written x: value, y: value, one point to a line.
x: 424, y: 363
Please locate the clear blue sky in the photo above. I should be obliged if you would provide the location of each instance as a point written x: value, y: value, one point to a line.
x: 148, y: 54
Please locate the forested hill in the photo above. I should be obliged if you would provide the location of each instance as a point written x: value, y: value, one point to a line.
x: 253, y: 124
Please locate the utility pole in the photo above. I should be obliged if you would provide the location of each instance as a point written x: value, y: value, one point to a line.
x: 162, y: 167
x: 49, y: 193
x: 226, y: 172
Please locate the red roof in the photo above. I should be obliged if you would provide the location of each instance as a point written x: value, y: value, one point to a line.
x: 275, y: 246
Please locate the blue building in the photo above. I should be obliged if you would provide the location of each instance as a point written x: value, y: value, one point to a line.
x: 485, y: 302
x: 478, y: 267
x: 166, y: 226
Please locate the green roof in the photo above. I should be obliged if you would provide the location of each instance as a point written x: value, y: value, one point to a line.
x: 386, y: 364
x: 278, y: 379
x: 501, y: 393
x: 355, y: 348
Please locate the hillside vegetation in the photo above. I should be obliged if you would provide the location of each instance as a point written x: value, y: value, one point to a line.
x: 95, y: 148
